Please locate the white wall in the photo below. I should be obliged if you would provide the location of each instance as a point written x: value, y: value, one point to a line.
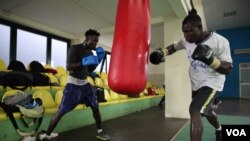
x: 156, y: 72
x: 177, y: 82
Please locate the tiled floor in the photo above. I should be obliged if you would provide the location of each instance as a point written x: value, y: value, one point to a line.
x: 149, y: 125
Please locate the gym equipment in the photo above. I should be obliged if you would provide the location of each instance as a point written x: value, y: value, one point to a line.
x: 129, y: 56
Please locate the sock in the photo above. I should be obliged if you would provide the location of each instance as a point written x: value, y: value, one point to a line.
x: 219, y: 129
x: 99, y: 130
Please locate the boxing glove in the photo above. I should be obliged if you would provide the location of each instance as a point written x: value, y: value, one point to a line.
x: 90, y: 60
x: 204, y: 54
x: 158, y: 56
x: 100, y: 52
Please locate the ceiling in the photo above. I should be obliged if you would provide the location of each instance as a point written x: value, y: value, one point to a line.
x: 225, y: 14
x: 76, y: 16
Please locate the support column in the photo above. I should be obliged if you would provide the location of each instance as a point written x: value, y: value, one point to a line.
x: 177, y: 81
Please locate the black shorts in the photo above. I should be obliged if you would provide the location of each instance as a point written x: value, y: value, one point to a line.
x: 203, y: 100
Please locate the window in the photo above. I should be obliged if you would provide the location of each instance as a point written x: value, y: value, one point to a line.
x: 30, y: 47
x: 5, y: 43
x: 58, y: 53
x: 105, y: 65
x: 108, y: 62
x: 27, y: 44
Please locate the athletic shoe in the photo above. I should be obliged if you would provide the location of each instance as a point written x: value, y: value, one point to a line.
x: 218, y: 134
x: 44, y: 136
x: 102, y: 136
x: 216, y: 105
x: 24, y: 134
x: 29, y: 138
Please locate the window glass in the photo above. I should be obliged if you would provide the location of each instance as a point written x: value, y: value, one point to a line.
x: 31, y: 46
x: 105, y: 65
x: 5, y: 43
x: 108, y: 62
x: 58, y: 53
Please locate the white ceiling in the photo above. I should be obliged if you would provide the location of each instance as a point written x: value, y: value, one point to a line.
x: 225, y: 14
x: 76, y: 16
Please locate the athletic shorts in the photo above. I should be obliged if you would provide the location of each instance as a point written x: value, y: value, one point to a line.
x: 78, y: 94
x: 203, y: 100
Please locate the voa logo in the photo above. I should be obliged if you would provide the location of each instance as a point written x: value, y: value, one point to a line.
x: 236, y: 132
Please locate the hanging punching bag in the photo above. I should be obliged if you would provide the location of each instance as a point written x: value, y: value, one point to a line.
x: 129, y: 55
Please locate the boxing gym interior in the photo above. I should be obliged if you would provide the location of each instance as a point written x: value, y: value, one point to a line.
x: 141, y: 101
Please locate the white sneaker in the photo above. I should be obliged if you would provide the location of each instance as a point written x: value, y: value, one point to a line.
x: 103, y: 136
x: 53, y: 135
x: 44, y: 136
x: 29, y: 138
x: 24, y: 134
x: 216, y: 106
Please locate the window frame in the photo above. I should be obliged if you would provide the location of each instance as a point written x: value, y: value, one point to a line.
x: 13, y: 39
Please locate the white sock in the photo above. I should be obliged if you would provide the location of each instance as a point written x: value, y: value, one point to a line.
x: 220, y: 128
x: 99, y: 130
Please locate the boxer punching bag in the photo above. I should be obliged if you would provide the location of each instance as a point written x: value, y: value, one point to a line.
x: 129, y: 55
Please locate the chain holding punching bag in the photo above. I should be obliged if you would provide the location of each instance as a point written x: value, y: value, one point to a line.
x: 129, y: 56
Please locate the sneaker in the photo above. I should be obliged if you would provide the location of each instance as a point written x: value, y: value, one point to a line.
x: 24, y: 134
x: 102, y: 136
x: 29, y: 138
x: 44, y: 136
x: 216, y: 105
x: 53, y: 135
x: 218, y: 134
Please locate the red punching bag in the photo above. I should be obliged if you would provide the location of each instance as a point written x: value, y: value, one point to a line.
x: 129, y: 55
